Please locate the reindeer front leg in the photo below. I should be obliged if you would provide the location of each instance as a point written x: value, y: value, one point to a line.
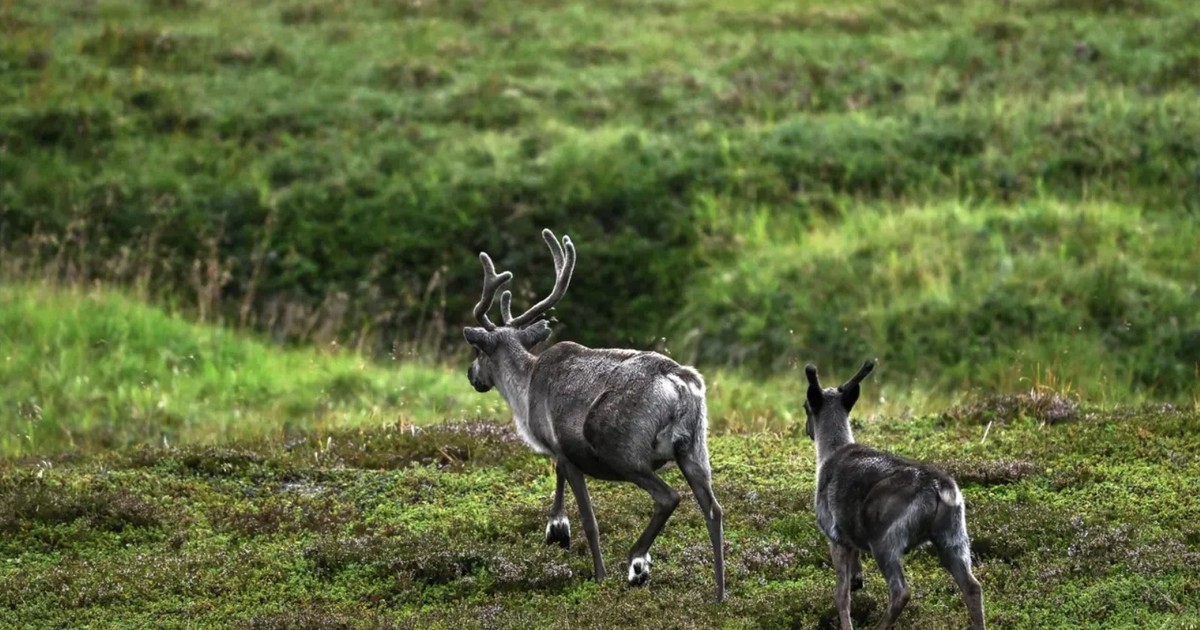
x: 586, y: 515
x: 558, y: 528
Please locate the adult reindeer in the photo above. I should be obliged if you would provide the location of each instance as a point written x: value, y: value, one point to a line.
x: 612, y: 414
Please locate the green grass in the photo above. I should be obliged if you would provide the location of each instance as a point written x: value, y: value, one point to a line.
x: 1088, y: 520
x: 347, y: 160
x: 1096, y: 298
x: 89, y: 369
x: 998, y: 199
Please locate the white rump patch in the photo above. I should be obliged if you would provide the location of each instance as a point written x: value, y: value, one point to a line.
x: 638, y: 566
x: 951, y: 496
x: 697, y: 389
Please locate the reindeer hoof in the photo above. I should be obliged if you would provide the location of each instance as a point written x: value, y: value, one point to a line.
x: 639, y: 570
x: 558, y: 530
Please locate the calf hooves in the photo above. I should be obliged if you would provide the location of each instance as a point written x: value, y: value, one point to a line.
x: 558, y: 531
x: 639, y: 570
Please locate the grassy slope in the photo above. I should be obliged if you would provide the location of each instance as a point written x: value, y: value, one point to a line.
x: 315, y: 508
x: 90, y: 369
x: 1096, y: 298
x: 387, y: 141
x: 1088, y: 522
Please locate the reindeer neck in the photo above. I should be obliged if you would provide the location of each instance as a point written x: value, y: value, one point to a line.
x: 513, y: 384
x: 832, y: 437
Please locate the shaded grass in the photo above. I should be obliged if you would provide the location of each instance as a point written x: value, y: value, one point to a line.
x: 374, y: 527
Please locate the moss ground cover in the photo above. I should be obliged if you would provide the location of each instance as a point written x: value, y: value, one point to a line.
x: 1087, y: 520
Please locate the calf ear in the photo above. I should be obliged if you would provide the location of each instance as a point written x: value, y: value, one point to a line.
x: 535, y: 333
x: 816, y: 397
x: 480, y: 339
x: 850, y: 388
x: 850, y: 396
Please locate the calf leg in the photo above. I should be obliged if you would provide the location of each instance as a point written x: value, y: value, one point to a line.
x: 579, y: 489
x: 845, y: 563
x: 695, y: 469
x: 665, y: 501
x: 893, y: 569
x: 558, y: 528
x: 856, y: 572
x: 957, y: 560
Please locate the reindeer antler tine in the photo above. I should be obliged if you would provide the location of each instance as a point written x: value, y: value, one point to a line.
x: 492, y: 282
x: 564, y: 266
x: 556, y: 250
x: 863, y: 372
x: 569, y: 259
x: 506, y: 307
x: 811, y: 371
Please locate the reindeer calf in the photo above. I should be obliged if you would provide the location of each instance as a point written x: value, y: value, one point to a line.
x: 868, y: 500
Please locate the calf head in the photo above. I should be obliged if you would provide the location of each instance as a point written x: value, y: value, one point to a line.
x: 831, y: 406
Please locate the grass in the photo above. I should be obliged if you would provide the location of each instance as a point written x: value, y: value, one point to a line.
x: 163, y: 473
x: 347, y: 161
x: 90, y: 368
x: 1097, y: 297
x: 1085, y: 520
x: 237, y: 241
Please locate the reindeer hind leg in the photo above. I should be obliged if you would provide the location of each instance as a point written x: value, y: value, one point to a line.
x: 695, y: 467
x: 955, y: 553
x: 665, y: 502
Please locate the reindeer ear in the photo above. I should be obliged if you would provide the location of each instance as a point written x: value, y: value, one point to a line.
x: 850, y: 389
x: 816, y: 397
x: 850, y: 396
x: 535, y: 333
x: 480, y: 338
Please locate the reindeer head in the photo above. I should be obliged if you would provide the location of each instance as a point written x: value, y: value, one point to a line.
x: 493, y: 344
x: 831, y: 407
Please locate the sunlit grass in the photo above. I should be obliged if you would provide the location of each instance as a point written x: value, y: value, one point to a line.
x: 953, y: 297
x: 87, y: 368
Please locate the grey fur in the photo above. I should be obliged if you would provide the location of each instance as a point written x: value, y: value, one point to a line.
x: 611, y: 414
x: 868, y: 500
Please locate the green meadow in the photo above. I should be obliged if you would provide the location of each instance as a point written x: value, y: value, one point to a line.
x: 238, y: 243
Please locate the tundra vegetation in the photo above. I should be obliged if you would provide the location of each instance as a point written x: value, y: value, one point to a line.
x: 238, y: 241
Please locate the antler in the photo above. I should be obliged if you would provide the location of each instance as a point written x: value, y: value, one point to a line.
x: 857, y: 378
x: 492, y: 281
x: 564, y: 266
